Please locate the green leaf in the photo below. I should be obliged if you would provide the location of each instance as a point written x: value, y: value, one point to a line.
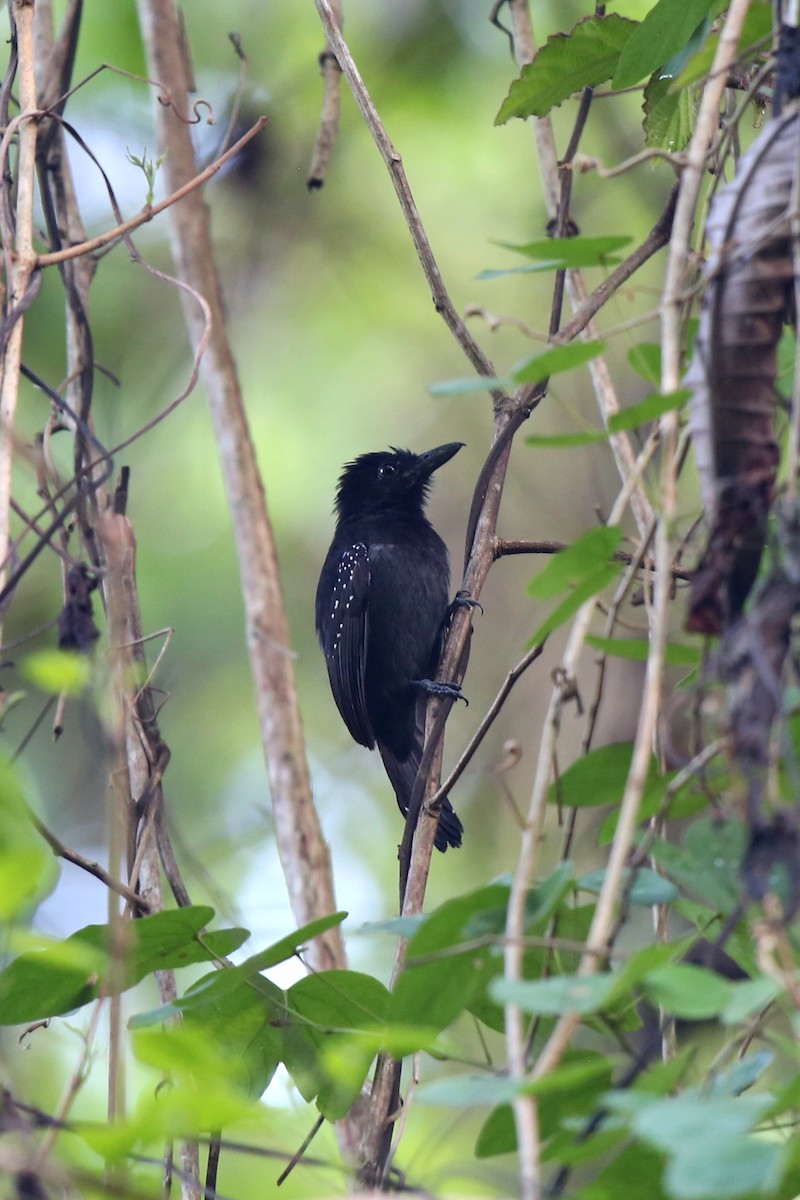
x: 242, y: 1015
x: 439, y: 981
x: 707, y: 862
x: 637, y: 650
x: 555, y: 361
x: 647, y: 888
x: 498, y: 1134
x: 686, y: 991
x: 27, y: 868
x: 635, y: 1174
x: 339, y: 1000
x: 568, y: 62
x: 742, y: 1075
x: 646, y: 361
x: 749, y: 997
x: 65, y: 975
x: 57, y: 671
x: 591, y: 586
x: 468, y: 1091
x: 562, y: 440
x: 665, y: 30
x: 599, y: 777
x: 576, y: 562
x: 468, y: 387
x: 553, y: 997
x: 710, y: 1153
x: 289, y: 946
x: 757, y: 26
x: 404, y: 927
x: 566, y: 253
x: 668, y: 115
x: 649, y: 409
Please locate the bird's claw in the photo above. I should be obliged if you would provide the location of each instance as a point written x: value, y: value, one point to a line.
x: 434, y: 687
x: 463, y: 599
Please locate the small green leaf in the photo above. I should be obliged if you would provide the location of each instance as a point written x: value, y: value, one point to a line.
x: 693, y: 993
x: 404, y: 927
x: 468, y: 1091
x: 595, y: 779
x: 468, y: 387
x: 668, y: 115
x: 588, y: 587
x: 565, y: 253
x: 27, y: 868
x: 576, y: 562
x: 707, y: 862
x: 637, y: 650
x: 742, y: 1075
x: 649, y: 409
x: 560, y: 441
x: 552, y: 997
x: 556, y: 360
x: 568, y: 62
x: 288, y: 946
x: 647, y: 888
x: 749, y: 997
x: 57, y: 671
x: 665, y: 30
x: 646, y: 361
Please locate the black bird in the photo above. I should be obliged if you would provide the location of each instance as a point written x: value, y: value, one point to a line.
x: 382, y: 605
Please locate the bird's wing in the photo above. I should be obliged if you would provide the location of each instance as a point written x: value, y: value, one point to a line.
x: 345, y: 641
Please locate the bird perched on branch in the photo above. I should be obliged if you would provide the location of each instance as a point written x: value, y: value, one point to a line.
x: 382, y: 604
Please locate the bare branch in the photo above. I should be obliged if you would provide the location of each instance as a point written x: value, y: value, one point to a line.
x: 153, y: 210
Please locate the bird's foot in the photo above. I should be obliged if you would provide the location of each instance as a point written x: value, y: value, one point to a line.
x: 433, y: 687
x: 462, y: 599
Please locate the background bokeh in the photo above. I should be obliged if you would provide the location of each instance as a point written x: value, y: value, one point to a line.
x: 337, y: 344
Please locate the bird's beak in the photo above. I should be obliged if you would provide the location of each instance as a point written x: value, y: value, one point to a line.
x: 433, y: 459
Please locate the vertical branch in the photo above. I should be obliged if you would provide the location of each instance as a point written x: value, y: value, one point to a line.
x: 628, y: 818
x: 19, y: 260
x: 304, y: 854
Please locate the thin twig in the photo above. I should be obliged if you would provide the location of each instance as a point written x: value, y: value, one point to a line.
x: 152, y: 210
x: 441, y: 297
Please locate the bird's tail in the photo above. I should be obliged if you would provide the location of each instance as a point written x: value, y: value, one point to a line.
x: 402, y: 776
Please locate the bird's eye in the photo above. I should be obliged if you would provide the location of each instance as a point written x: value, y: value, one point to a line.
x: 386, y: 469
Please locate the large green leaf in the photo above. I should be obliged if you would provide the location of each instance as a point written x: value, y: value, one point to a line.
x: 65, y: 975
x: 711, y: 1155
x: 324, y: 1051
x: 666, y: 29
x: 568, y: 62
x: 440, y: 980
